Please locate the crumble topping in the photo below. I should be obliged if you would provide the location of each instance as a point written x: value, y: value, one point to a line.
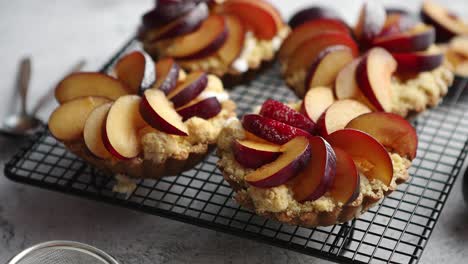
x: 159, y: 146
x: 280, y: 198
x: 274, y: 199
x: 424, y: 89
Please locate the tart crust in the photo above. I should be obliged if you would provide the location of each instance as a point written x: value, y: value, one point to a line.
x: 140, y: 167
x: 278, y: 203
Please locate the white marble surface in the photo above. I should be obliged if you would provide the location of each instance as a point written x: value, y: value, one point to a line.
x: 57, y: 33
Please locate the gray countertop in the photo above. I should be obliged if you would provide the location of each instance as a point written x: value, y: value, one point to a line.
x: 57, y: 33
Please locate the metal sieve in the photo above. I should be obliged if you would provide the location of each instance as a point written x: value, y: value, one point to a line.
x: 62, y: 252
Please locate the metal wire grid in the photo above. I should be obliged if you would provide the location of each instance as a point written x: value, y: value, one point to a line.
x: 394, y: 231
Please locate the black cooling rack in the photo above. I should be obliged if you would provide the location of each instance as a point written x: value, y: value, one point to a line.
x: 396, y: 230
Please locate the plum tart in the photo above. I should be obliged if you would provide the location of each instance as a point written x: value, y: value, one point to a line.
x: 451, y: 33
x: 284, y: 165
x: 144, y: 120
x: 446, y: 23
x: 388, y: 61
x: 218, y: 37
x: 456, y: 55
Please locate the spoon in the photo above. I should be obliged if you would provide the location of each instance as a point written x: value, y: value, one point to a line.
x: 22, y: 124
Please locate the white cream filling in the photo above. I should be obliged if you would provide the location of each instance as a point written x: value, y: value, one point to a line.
x: 241, y: 64
x: 276, y: 42
x: 230, y: 120
x: 221, y: 96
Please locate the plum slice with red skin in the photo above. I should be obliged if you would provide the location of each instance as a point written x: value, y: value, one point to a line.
x: 167, y: 72
x: 303, y: 55
x: 253, y: 155
x: 374, y: 75
x: 206, y: 109
x: 338, y: 115
x: 189, y: 89
x: 316, y: 101
x: 67, y: 122
x: 83, y: 84
x: 371, y: 157
x: 234, y: 44
x: 413, y: 62
x: 314, y: 13
x: 183, y: 25
x: 391, y: 130
x: 120, y: 132
x: 397, y: 24
x: 92, y: 132
x: 345, y: 187
x: 346, y: 86
x: 317, y: 177
x: 414, y: 40
x: 261, y: 17
x: 201, y: 43
x: 293, y: 158
x: 326, y: 66
x: 307, y: 30
x: 137, y: 71
x: 158, y: 112
x: 164, y: 14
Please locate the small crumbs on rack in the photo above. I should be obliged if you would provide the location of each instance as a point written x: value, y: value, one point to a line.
x: 124, y: 185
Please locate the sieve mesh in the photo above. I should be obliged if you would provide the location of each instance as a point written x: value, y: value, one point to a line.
x: 62, y: 252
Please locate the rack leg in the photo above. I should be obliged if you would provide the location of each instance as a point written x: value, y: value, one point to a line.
x: 346, y: 232
x: 351, y: 234
x: 98, y: 179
